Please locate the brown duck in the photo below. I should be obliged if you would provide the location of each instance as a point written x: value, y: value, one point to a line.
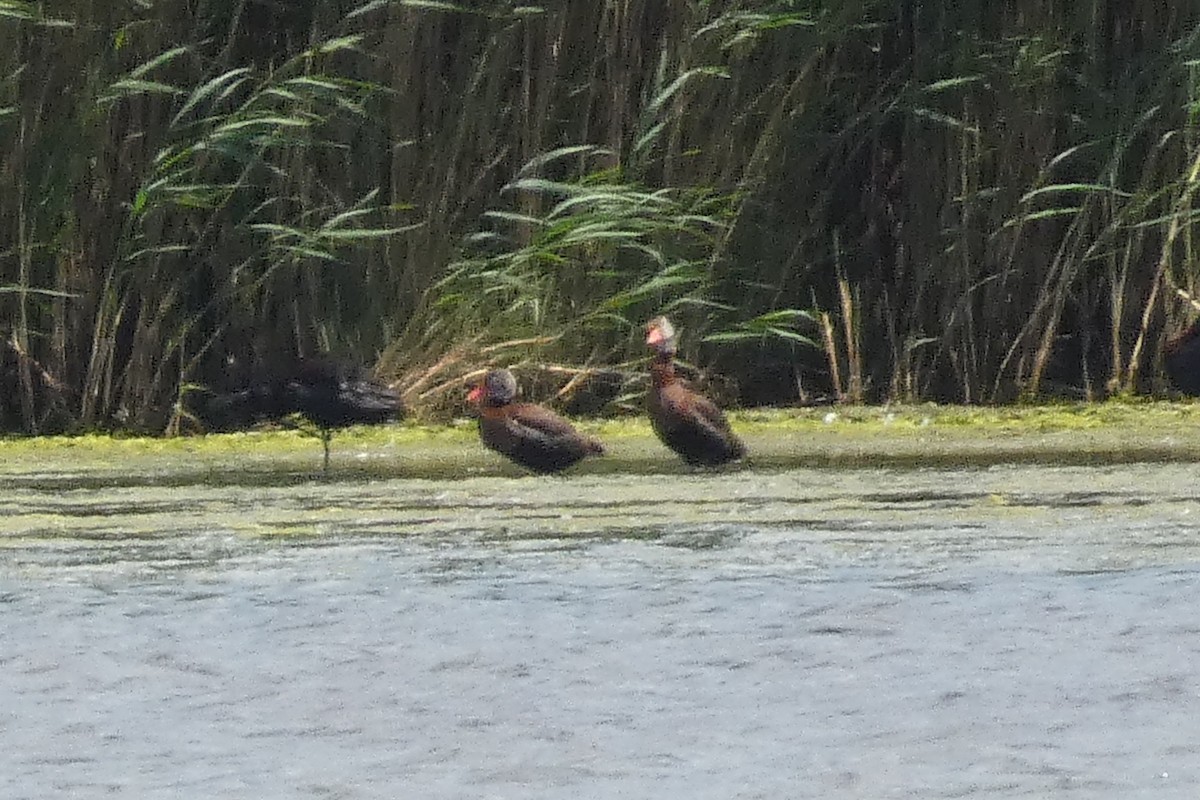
x: 525, y: 433
x: 687, y: 422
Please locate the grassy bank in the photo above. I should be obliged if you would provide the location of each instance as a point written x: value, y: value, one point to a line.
x: 896, y: 436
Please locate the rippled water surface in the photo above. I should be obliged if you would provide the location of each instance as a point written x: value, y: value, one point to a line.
x: 1002, y: 632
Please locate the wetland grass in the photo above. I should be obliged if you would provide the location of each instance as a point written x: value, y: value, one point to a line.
x: 914, y: 436
x: 885, y: 201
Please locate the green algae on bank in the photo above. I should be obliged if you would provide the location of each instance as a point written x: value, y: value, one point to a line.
x: 850, y: 436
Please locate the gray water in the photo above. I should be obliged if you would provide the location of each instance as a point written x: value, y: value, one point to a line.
x: 1004, y: 632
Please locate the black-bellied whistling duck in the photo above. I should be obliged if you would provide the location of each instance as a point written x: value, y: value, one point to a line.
x: 527, y: 434
x: 1181, y: 358
x: 328, y: 393
x: 688, y: 423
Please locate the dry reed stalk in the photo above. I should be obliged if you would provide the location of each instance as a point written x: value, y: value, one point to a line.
x: 831, y: 351
x: 850, y: 329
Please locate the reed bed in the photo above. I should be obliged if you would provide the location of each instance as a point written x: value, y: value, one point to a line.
x: 845, y: 202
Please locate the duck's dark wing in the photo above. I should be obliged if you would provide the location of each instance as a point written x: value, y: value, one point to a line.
x: 708, y: 414
x: 694, y: 427
x: 534, y: 437
x: 536, y: 423
x: 712, y: 427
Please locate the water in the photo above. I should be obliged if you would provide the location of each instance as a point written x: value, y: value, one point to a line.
x: 1003, y: 632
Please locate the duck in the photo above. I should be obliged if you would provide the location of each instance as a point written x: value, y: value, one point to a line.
x: 1181, y: 359
x: 525, y: 433
x: 686, y: 421
x: 327, y: 392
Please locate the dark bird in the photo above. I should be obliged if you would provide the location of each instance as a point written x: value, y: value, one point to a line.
x: 330, y: 394
x: 1181, y: 358
x: 687, y: 422
x: 525, y: 433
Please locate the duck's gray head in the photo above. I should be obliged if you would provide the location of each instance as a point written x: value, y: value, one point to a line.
x: 660, y: 336
x: 500, y: 386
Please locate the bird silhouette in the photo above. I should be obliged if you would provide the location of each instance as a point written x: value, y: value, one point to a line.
x: 527, y: 434
x: 328, y: 393
x: 687, y: 422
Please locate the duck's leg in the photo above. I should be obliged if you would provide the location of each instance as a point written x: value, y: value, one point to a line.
x: 326, y: 435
